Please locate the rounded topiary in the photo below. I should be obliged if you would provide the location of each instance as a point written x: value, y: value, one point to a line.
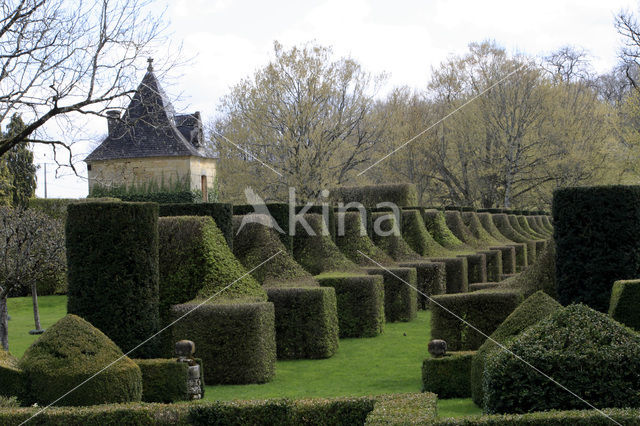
x: 254, y: 242
x: 585, y: 350
x: 70, y: 352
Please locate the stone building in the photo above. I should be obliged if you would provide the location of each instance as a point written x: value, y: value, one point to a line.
x: 151, y: 146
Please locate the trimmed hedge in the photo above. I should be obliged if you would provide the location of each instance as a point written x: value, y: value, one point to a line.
x: 403, y: 409
x: 401, y: 194
x: 418, y: 238
x: 597, y: 234
x: 221, y: 214
x: 484, y: 309
x: 457, y: 276
x: 549, y: 418
x: 476, y: 267
x: 70, y: 352
x: 306, y: 322
x: 484, y: 286
x: 460, y: 230
x: 431, y: 279
x: 355, y: 240
x: 393, y: 245
x: 435, y: 223
x: 625, y: 301
x: 474, y: 225
x: 524, y: 225
x: 360, y: 300
x: 507, y: 260
x: 493, y: 264
x: 400, y: 300
x: 10, y: 375
x: 535, y: 308
x: 448, y: 376
x: 112, y: 258
x: 502, y: 223
x: 236, y: 342
x: 332, y: 412
x: 546, y: 223
x: 539, y: 276
x: 280, y: 214
x: 57, y: 207
x: 163, y: 380
x: 255, y: 243
x: 318, y: 253
x: 520, y: 255
x: 585, y: 350
x: 538, y: 244
x: 536, y: 225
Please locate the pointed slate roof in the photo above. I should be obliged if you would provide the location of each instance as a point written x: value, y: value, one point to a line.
x: 150, y: 128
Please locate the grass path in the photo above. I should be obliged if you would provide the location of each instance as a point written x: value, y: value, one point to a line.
x: 389, y: 363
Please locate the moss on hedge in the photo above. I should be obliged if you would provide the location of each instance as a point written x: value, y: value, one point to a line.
x: 625, y: 301
x: 112, y: 258
x: 539, y: 276
x: 318, y: 253
x: 306, y: 322
x: 255, y: 243
x: 448, y: 376
x: 163, y: 379
x: 360, y: 300
x: 484, y: 309
x: 10, y: 375
x: 606, y: 353
x: 393, y: 245
x: 400, y: 296
x: 67, y: 354
x: 236, y: 342
x: 457, y: 276
x: 431, y: 279
x: 418, y: 238
x: 534, y: 308
x: 403, y: 409
x: 356, y: 240
x: 401, y: 194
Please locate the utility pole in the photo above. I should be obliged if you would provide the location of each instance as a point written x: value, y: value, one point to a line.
x: 45, y: 180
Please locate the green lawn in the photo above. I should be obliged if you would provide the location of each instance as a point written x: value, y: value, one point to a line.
x: 386, y: 364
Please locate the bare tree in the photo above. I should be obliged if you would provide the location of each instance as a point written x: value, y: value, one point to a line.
x: 59, y: 58
x: 627, y: 25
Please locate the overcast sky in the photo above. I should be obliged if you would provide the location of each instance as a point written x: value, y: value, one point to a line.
x: 229, y: 40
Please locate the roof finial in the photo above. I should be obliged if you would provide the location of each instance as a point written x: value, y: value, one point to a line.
x: 150, y: 67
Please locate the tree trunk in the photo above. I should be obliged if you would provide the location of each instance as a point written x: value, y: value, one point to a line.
x: 4, y: 323
x: 36, y: 312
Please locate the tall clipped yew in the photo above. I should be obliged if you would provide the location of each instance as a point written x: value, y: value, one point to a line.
x: 112, y: 256
x: 597, y: 234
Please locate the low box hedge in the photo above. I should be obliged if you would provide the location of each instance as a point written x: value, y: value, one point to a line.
x: 448, y: 376
x: 431, y: 279
x: 345, y: 411
x: 164, y: 379
x: 457, y: 277
x: 403, y: 409
x: 400, y: 300
x: 221, y: 213
x: 360, y: 300
x: 484, y: 286
x: 484, y: 309
x: 306, y: 322
x: 625, y: 302
x: 550, y: 418
x: 236, y: 342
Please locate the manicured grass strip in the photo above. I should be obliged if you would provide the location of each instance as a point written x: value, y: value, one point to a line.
x: 457, y: 407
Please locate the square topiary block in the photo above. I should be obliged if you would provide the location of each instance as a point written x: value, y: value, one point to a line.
x: 431, y: 280
x: 457, y: 277
x: 484, y: 309
x: 306, y: 322
x: 625, y: 302
x: 235, y: 341
x: 360, y: 300
x: 448, y: 376
x: 400, y: 301
x: 476, y: 267
x: 163, y: 379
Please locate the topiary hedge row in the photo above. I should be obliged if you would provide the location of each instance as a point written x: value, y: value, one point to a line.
x: 401, y: 194
x: 535, y: 308
x: 431, y: 279
x: 504, y: 226
x: 549, y: 418
x: 435, y: 223
x: 493, y: 264
x: 484, y: 309
x: 355, y: 240
x: 403, y: 409
x: 585, y: 350
x: 236, y: 342
x: 625, y: 300
x: 400, y: 300
x: 221, y: 214
x: 454, y: 222
x: 476, y: 267
x: 539, y: 276
x: 112, y: 257
x: 360, y: 300
x: 10, y: 375
x: 163, y: 379
x: 448, y: 376
x: 306, y: 322
x: 457, y: 276
x: 390, y: 239
x: 70, y: 353
x: 418, y: 238
x: 597, y: 234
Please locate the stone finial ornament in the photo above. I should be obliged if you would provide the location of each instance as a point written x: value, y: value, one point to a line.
x: 185, y: 349
x: 437, y: 348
